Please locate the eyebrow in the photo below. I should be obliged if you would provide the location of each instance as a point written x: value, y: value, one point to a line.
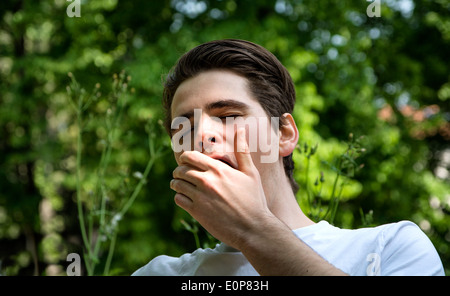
x: 228, y: 104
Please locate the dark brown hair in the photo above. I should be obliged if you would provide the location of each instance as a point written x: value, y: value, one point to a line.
x: 269, y: 81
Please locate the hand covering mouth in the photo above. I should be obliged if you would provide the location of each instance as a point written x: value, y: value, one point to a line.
x: 225, y: 159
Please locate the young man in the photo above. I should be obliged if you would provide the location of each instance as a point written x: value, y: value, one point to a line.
x: 215, y: 99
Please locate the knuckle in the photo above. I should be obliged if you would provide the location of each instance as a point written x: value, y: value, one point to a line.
x: 175, y: 173
x: 207, y: 181
x: 178, y: 171
x: 174, y: 184
x: 204, y: 181
x: 183, y: 157
x: 187, y: 156
x: 178, y: 185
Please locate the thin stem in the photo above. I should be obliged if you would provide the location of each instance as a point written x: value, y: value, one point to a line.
x: 197, y: 240
x: 110, y: 253
x: 101, y: 228
x: 141, y: 183
x: 104, y: 162
x: 130, y: 201
x: 78, y: 182
x: 307, y: 183
x: 333, y: 199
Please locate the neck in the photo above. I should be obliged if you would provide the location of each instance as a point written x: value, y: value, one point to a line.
x: 283, y: 204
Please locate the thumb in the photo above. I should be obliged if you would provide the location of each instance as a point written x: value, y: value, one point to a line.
x: 242, y: 152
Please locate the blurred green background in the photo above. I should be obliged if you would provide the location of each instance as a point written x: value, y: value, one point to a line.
x: 385, y: 78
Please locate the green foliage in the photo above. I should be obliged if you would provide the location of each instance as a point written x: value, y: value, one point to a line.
x: 109, y: 182
x: 312, y: 195
x: 386, y: 78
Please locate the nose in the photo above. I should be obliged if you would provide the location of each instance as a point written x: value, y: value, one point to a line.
x: 209, y: 134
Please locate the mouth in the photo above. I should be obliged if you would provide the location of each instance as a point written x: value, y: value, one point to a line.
x: 225, y: 160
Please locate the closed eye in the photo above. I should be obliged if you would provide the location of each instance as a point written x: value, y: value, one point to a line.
x: 224, y: 117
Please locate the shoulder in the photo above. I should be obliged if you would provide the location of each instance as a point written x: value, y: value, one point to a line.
x: 408, y: 251
x: 172, y: 266
x: 222, y: 260
x: 391, y: 249
x: 159, y: 266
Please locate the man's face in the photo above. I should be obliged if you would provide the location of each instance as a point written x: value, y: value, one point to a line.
x: 207, y: 100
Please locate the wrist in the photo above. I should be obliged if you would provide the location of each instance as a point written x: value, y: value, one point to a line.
x: 259, y: 231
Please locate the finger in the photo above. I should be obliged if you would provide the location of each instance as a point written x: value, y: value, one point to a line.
x: 183, y: 202
x: 242, y: 152
x: 194, y: 159
x: 199, y: 160
x: 185, y: 193
x: 187, y: 173
x: 183, y: 187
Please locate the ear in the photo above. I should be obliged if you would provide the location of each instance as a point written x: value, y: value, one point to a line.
x: 288, y: 135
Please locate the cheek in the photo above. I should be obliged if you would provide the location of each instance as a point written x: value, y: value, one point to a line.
x: 177, y: 157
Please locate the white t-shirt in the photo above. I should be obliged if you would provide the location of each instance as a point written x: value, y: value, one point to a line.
x: 392, y: 249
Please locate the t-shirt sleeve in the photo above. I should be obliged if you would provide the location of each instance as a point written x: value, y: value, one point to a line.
x: 160, y: 266
x: 408, y: 252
